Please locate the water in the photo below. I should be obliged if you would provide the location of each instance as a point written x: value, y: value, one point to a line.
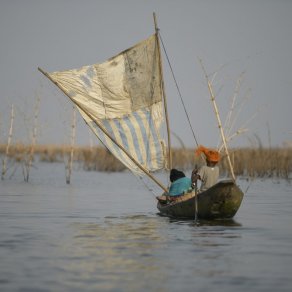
x: 103, y: 233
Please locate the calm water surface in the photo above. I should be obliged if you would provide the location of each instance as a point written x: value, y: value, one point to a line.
x: 103, y: 233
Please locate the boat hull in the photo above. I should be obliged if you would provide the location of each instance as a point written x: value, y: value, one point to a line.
x: 221, y: 201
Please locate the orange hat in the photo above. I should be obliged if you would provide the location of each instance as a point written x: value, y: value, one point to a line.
x: 211, y: 154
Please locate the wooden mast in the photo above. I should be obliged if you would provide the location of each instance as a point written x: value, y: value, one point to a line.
x: 163, y: 93
x: 106, y: 133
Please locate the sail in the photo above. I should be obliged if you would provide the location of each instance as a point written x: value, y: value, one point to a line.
x: 121, y: 101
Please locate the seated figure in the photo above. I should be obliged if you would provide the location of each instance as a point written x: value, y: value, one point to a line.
x: 179, y: 183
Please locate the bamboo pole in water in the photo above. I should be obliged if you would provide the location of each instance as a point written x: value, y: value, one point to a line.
x: 107, y: 134
x: 218, y: 120
x: 4, y: 162
x: 71, y: 156
x: 33, y: 140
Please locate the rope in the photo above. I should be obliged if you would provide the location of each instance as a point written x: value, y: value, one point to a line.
x: 164, y: 49
x: 178, y: 88
x: 141, y: 179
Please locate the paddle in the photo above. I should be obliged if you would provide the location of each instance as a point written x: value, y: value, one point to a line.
x: 194, y: 183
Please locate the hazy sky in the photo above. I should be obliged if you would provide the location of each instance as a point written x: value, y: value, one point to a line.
x: 230, y: 36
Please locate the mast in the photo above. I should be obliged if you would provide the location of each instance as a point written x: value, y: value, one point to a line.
x: 163, y: 93
x: 107, y: 134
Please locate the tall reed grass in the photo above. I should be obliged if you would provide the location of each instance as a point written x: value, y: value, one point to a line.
x: 248, y: 162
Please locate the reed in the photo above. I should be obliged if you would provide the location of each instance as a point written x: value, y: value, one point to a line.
x: 261, y: 162
x: 7, y: 146
x: 248, y: 162
x: 69, y: 163
x: 29, y: 158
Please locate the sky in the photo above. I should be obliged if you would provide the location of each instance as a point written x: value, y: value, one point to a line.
x: 245, y: 48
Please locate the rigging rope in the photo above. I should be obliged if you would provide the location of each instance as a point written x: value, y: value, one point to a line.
x: 164, y: 49
x: 140, y: 178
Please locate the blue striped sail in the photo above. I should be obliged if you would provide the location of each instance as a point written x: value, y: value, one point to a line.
x: 139, y: 136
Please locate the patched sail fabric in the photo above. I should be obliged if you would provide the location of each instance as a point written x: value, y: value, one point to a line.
x: 121, y: 101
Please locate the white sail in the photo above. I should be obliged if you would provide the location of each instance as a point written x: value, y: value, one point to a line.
x: 121, y: 101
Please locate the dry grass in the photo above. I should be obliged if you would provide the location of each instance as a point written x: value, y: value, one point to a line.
x: 96, y: 158
x: 250, y: 162
x: 275, y: 162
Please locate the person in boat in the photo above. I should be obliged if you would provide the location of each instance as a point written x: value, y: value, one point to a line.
x: 208, y: 174
x: 180, y: 184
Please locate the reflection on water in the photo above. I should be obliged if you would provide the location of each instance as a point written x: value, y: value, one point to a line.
x: 120, y: 248
x: 84, y: 237
x: 221, y: 222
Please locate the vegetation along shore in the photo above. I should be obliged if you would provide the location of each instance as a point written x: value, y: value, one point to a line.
x: 248, y: 162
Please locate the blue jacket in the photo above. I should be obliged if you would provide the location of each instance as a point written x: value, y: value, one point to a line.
x: 179, y: 186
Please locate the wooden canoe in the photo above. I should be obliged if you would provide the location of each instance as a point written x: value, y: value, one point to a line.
x: 221, y: 201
